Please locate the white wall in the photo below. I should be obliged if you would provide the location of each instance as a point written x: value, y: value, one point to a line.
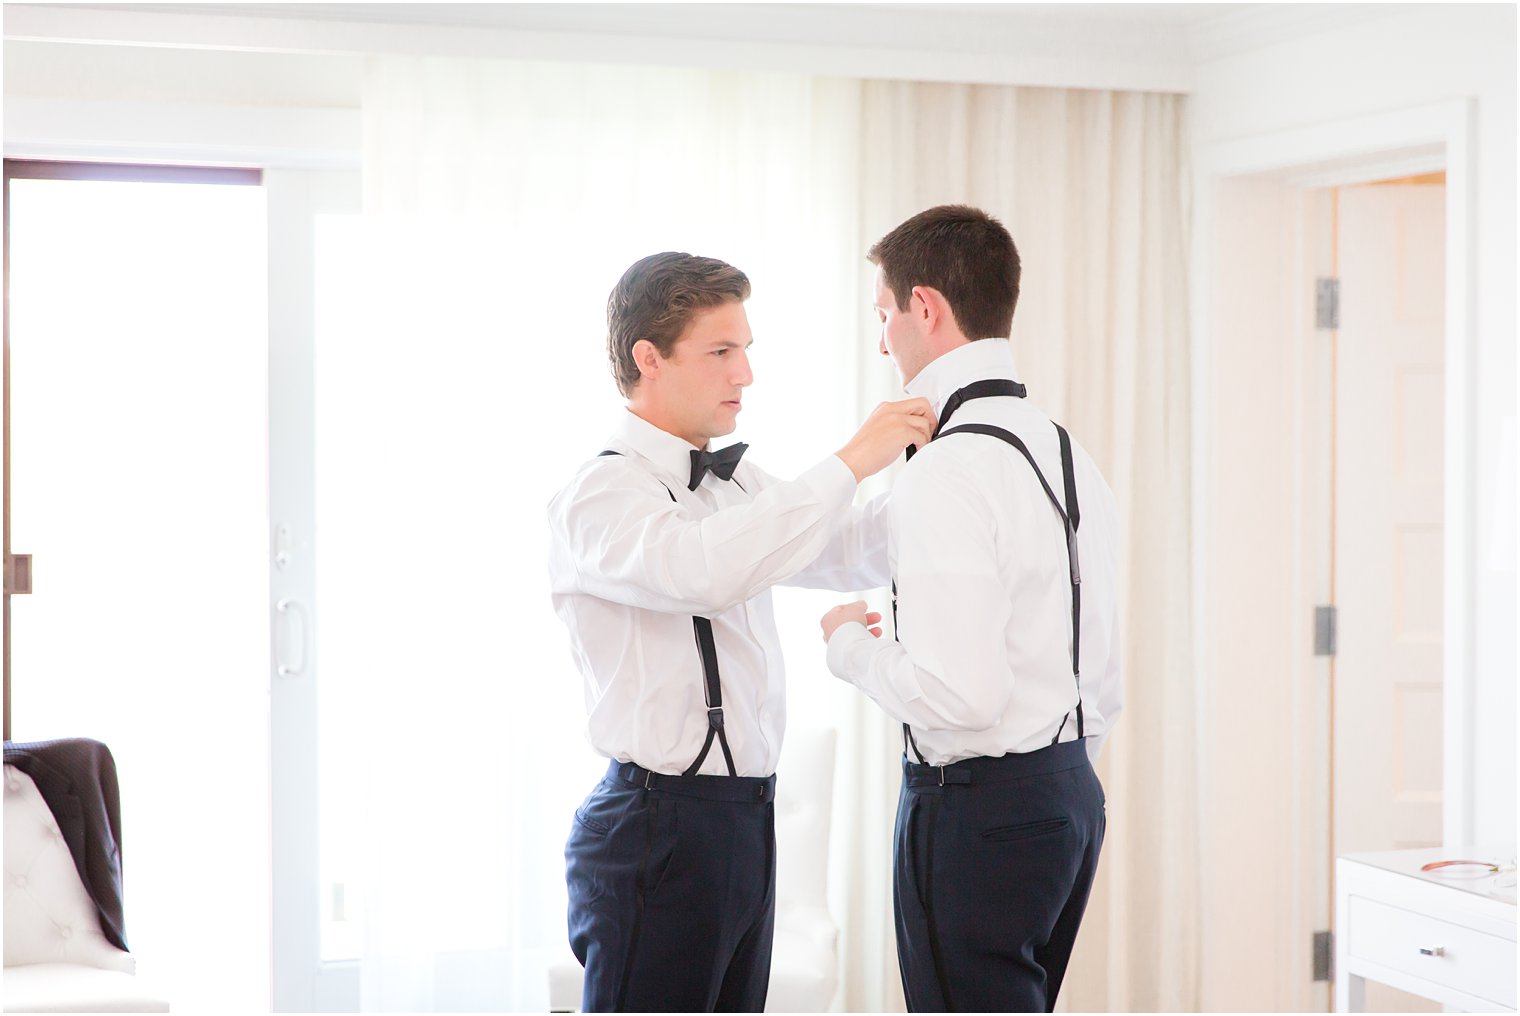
x: 1399, y: 60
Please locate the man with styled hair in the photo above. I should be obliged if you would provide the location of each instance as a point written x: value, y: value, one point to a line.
x: 1003, y: 548
x: 662, y: 554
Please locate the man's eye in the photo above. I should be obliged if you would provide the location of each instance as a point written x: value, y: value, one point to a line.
x: 719, y: 352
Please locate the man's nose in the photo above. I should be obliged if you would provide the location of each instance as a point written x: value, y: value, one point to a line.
x: 744, y: 377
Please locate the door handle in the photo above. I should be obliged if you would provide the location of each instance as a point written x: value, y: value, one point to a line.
x: 297, y: 614
x: 18, y: 574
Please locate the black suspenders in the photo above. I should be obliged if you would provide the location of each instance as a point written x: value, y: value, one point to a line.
x: 712, y: 685
x: 1070, y: 518
x: 975, y: 390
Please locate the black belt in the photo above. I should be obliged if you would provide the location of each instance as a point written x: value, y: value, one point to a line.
x: 708, y: 788
x: 1053, y: 758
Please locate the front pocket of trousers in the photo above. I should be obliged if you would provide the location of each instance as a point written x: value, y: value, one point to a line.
x: 663, y: 841
x: 1026, y: 830
x: 601, y: 809
x: 590, y: 824
x: 917, y: 845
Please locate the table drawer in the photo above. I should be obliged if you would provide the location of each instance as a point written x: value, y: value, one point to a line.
x: 1471, y: 961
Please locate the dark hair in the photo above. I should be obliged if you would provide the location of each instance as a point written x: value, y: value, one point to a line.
x: 964, y: 253
x: 656, y: 298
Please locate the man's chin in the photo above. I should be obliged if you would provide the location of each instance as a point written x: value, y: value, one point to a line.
x: 722, y: 426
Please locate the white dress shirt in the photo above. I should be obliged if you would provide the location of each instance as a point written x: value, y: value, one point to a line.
x: 629, y: 568
x: 984, y: 663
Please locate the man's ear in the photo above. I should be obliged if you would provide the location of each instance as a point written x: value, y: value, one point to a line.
x: 928, y: 306
x: 646, y: 356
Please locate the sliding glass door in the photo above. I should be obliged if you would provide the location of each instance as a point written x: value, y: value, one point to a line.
x: 138, y: 482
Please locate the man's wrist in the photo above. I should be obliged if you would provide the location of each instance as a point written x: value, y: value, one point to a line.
x: 843, y: 455
x: 832, y: 480
x: 840, y: 643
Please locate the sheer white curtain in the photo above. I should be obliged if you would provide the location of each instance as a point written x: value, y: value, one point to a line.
x: 462, y: 378
x: 1093, y: 187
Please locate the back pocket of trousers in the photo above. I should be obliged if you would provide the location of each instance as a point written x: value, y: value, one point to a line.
x: 1026, y: 830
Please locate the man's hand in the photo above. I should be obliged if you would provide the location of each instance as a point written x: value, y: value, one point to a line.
x: 890, y: 428
x: 847, y: 612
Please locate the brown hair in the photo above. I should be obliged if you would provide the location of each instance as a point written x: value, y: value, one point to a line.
x: 656, y: 299
x: 964, y: 253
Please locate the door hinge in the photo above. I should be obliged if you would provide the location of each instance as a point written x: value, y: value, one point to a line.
x: 1324, y: 631
x: 1324, y: 951
x: 1327, y: 303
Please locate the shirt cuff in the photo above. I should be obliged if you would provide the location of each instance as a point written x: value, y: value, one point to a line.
x: 845, y: 638
x: 832, y: 481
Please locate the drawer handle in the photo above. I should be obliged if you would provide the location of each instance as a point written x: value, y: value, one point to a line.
x: 1439, y: 950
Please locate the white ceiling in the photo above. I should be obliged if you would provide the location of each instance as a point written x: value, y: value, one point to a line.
x: 313, y: 50
x: 521, y: 15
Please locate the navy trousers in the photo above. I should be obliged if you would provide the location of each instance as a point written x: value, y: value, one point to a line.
x: 994, y: 861
x: 672, y: 885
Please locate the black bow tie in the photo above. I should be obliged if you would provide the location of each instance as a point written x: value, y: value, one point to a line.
x: 721, y: 463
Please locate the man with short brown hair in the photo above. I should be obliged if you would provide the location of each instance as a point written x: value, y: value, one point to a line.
x: 1003, y: 544
x: 662, y: 555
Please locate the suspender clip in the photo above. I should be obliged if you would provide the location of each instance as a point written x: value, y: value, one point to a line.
x: 648, y: 780
x: 941, y: 775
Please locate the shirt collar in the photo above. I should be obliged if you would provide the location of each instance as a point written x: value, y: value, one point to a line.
x: 669, y: 454
x: 975, y: 361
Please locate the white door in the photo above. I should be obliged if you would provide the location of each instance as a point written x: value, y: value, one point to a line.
x: 1388, y: 519
x: 306, y: 911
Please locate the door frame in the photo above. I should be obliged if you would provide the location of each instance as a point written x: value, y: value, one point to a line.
x: 1416, y: 139
x: 1360, y: 150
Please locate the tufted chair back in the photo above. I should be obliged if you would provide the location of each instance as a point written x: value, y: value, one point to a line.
x: 49, y: 917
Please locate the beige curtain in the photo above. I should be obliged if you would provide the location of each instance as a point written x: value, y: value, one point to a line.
x: 1093, y: 187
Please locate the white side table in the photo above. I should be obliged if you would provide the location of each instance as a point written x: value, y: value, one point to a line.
x: 1446, y: 937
